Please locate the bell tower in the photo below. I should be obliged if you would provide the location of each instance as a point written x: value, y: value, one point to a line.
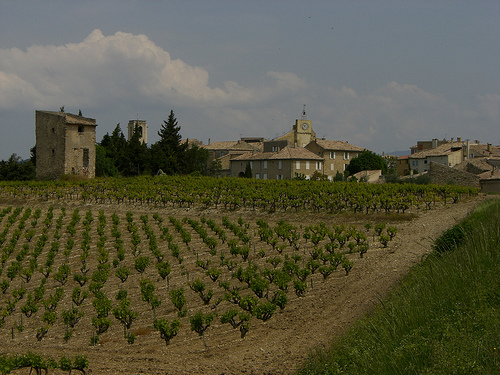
x: 303, y: 133
x: 143, y: 130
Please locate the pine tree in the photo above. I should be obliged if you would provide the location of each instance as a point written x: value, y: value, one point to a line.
x: 169, y: 152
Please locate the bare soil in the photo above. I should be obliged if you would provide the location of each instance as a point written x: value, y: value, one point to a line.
x: 277, y: 346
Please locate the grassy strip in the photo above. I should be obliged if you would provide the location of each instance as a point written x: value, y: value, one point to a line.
x: 444, y: 318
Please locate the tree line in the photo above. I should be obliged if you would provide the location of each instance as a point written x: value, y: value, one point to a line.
x: 117, y: 156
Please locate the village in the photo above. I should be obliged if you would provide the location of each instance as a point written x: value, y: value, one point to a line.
x: 66, y: 145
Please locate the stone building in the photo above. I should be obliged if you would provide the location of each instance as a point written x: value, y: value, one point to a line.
x: 143, y: 130
x: 65, y: 145
x: 337, y: 154
x: 301, y: 133
x: 283, y: 163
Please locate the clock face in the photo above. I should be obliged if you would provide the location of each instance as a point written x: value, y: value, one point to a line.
x: 304, y: 126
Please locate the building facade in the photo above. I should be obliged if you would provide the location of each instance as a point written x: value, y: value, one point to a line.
x: 65, y: 145
x: 336, y: 154
x: 283, y: 164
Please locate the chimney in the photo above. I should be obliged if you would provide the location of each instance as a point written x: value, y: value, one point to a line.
x: 434, y: 143
x: 459, y: 139
x: 208, y: 140
x: 488, y: 147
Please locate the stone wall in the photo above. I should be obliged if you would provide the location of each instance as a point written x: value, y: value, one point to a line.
x: 442, y: 175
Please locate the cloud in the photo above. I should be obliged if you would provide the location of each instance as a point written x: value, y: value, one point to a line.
x: 396, y: 116
x: 102, y: 69
x: 116, y: 76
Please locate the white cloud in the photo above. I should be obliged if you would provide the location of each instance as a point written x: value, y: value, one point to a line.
x: 110, y: 76
x: 110, y: 68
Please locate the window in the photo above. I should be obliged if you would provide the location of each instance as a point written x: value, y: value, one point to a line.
x: 307, y: 164
x: 257, y: 176
x: 280, y: 164
x: 275, y: 149
x: 279, y: 177
x: 346, y: 156
x: 332, y: 154
x: 86, y: 157
x: 80, y: 128
x: 344, y: 167
x: 265, y: 164
x: 297, y: 164
x: 251, y: 166
x: 264, y: 176
x: 330, y: 178
x: 332, y: 167
x: 318, y: 165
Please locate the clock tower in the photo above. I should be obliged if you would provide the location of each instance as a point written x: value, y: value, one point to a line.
x: 303, y: 133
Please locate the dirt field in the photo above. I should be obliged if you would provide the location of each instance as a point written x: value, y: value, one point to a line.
x: 276, y: 346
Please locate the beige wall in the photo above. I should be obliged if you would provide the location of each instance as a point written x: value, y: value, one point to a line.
x: 286, y: 170
x: 334, y: 160
x: 60, y: 146
x: 50, y: 152
x: 76, y: 144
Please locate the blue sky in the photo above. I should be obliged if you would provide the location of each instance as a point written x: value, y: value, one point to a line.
x: 379, y: 74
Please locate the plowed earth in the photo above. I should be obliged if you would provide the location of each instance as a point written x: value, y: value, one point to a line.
x: 276, y: 346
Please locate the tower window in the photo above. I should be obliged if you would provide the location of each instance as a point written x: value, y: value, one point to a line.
x: 86, y: 157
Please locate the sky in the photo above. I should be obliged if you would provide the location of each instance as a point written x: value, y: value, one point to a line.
x: 379, y: 74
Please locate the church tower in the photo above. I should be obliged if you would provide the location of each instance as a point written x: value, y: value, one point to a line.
x: 303, y: 133
x: 143, y: 130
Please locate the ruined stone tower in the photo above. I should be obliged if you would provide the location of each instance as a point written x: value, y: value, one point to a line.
x: 65, y: 144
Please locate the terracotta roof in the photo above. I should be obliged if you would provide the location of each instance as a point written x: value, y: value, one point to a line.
x: 294, y: 153
x: 231, y: 145
x: 443, y: 150
x: 483, y: 149
x: 337, y: 145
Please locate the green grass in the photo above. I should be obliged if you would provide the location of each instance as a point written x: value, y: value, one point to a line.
x: 444, y: 317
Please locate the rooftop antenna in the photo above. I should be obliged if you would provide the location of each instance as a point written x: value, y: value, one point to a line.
x: 303, y: 116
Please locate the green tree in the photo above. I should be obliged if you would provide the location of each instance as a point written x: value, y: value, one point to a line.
x: 195, y: 160
x: 168, y: 152
x: 137, y: 155
x: 365, y: 161
x: 248, y: 171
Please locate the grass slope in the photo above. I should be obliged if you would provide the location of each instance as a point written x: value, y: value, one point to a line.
x: 444, y: 318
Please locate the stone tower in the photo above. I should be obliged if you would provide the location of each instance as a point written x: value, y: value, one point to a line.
x: 302, y: 132
x: 143, y: 130
x: 65, y: 144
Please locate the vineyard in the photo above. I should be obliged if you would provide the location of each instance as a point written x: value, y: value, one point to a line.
x: 168, y: 268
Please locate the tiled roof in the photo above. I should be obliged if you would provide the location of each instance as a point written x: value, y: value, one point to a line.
x: 231, y: 145
x: 337, y: 145
x: 443, y: 150
x: 483, y: 149
x: 294, y: 153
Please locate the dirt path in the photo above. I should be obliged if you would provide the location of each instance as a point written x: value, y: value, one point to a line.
x: 279, y: 345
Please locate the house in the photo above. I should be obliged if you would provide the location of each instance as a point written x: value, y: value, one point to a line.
x: 65, y: 144
x: 224, y: 151
x: 336, y: 154
x: 403, y: 166
x: 449, y: 154
x: 283, y: 164
x: 428, y: 145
